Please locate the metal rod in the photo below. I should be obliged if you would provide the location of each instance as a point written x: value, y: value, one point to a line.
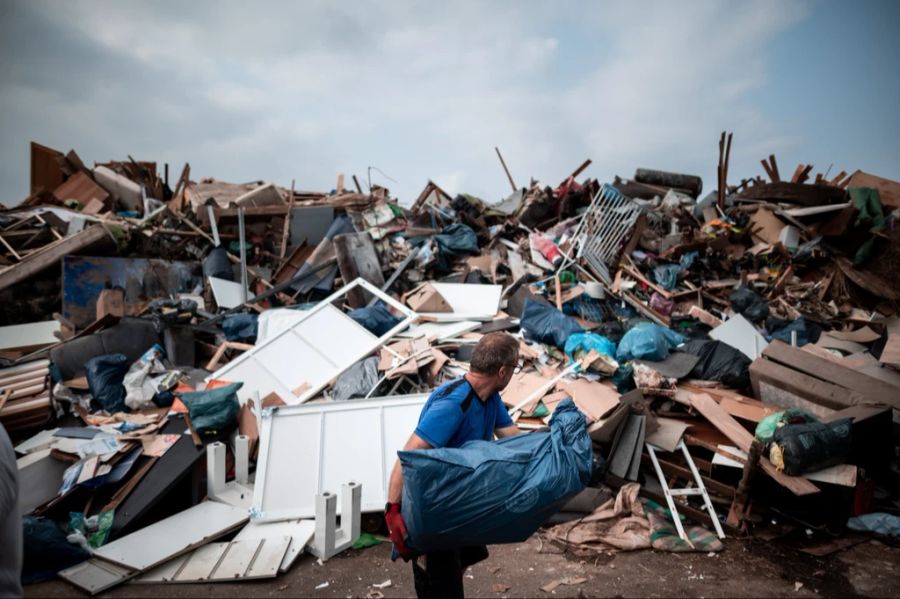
x: 241, y: 238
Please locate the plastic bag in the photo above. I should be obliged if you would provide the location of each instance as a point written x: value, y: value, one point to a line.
x: 140, y: 387
x: 666, y: 275
x: 455, y: 240
x: 800, y: 448
x: 647, y: 341
x: 46, y: 550
x: 546, y: 324
x: 216, y: 264
x: 214, y: 409
x: 781, y: 330
x: 240, y: 327
x: 878, y: 522
x: 376, y: 319
x: 587, y: 342
x: 104, y: 377
x: 357, y: 380
x: 766, y: 428
x: 749, y: 304
x: 489, y: 492
x: 719, y: 362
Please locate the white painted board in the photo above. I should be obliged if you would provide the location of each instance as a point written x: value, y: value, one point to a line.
x: 740, y: 334
x: 469, y: 302
x: 298, y: 362
x: 95, y: 575
x: 441, y: 331
x: 28, y: 335
x: 227, y: 293
x: 300, y: 531
x: 244, y: 559
x: 841, y: 474
x: 153, y: 545
x: 310, y: 449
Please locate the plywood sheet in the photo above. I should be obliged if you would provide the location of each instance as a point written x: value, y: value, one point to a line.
x: 154, y: 544
x: 306, y: 450
x: 32, y: 334
x: 669, y: 433
x: 594, y: 399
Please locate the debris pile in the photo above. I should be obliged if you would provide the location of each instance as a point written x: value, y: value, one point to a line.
x: 735, y: 354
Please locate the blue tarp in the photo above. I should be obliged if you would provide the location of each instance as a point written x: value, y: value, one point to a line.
x: 489, y: 492
x: 647, y: 341
x: 546, y: 324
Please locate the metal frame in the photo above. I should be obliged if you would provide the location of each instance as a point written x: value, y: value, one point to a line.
x: 321, y: 434
x: 609, y: 219
x: 670, y: 494
x: 310, y: 347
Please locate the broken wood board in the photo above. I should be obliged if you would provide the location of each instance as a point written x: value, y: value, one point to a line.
x: 441, y: 331
x: 841, y: 474
x: 142, y: 279
x: 888, y: 191
x: 154, y: 544
x: 96, y: 575
x: 668, y: 435
x: 227, y: 293
x: 468, y: 302
x: 522, y: 386
x: 300, y: 532
x: 872, y: 389
x: 356, y: 257
x: 780, y: 385
x: 891, y: 352
x: 740, y: 436
x: 286, y: 487
x: 29, y: 336
x: 241, y: 559
x: 81, y: 188
x: 766, y: 226
x: 311, y: 353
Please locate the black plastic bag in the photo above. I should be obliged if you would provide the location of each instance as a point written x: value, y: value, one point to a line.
x: 807, y: 332
x: 240, y: 327
x: 546, y: 324
x: 719, y: 362
x: 104, y: 377
x: 46, y: 550
x: 376, y: 319
x: 216, y: 264
x: 800, y: 448
x: 749, y: 304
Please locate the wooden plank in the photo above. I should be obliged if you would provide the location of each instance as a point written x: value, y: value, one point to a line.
x: 891, y: 352
x: 81, y: 188
x: 741, y: 437
x: 787, y: 388
x: 888, y: 190
x: 872, y: 389
x: 51, y: 254
x: 46, y: 173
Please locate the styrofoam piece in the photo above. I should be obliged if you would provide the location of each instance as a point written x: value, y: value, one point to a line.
x: 298, y: 362
x: 306, y: 450
x: 300, y: 531
x: 32, y: 334
x: 440, y: 331
x: 739, y: 333
x: 227, y: 293
x: 96, y: 575
x: 330, y: 540
x: 177, y: 534
x: 469, y: 302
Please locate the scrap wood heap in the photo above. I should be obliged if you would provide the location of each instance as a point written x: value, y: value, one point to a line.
x: 743, y: 343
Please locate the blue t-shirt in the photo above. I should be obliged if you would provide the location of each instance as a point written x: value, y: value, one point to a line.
x: 444, y: 423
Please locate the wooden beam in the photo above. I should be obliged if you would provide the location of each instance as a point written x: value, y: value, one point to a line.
x: 774, y: 165
x: 287, y: 225
x: 581, y: 168
x: 741, y: 437
x: 506, y: 170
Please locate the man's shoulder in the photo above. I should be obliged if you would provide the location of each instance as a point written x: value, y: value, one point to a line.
x: 455, y: 390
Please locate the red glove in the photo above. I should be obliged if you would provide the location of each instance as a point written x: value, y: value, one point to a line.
x: 397, y: 529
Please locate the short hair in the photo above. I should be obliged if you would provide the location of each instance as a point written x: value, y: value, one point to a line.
x: 493, y: 351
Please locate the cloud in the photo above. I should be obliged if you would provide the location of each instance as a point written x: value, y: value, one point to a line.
x: 286, y: 90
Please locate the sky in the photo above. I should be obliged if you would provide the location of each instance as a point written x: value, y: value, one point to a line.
x: 399, y: 92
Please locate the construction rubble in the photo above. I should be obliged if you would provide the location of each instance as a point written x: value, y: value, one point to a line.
x: 204, y: 380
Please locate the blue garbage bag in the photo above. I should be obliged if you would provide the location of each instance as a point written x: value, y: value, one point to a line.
x: 489, y: 492
x: 546, y: 324
x: 667, y: 275
x: 456, y: 240
x: 240, y: 326
x: 647, y: 341
x: 807, y: 332
x: 376, y: 318
x: 105, y: 375
x: 588, y: 342
x: 213, y: 410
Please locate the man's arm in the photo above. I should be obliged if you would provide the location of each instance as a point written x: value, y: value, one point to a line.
x: 507, y: 431
x: 395, y: 488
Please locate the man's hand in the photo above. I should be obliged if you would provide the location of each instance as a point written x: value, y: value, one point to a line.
x: 397, y: 530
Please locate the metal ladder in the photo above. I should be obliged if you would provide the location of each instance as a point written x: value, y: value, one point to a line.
x: 670, y: 494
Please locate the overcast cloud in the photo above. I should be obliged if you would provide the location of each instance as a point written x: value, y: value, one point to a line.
x: 307, y: 90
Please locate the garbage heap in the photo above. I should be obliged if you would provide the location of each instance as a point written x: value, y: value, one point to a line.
x: 186, y: 359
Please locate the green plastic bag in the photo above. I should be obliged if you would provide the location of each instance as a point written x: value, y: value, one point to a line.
x: 213, y: 410
x: 766, y: 428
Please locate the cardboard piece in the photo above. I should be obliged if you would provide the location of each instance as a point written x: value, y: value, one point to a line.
x: 766, y: 226
x: 669, y: 433
x: 594, y: 399
x: 861, y: 335
x: 425, y: 298
x: 111, y: 301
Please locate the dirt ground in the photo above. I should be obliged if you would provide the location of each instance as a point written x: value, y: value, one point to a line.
x: 745, y: 569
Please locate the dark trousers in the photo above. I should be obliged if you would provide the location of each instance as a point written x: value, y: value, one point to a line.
x: 442, y: 576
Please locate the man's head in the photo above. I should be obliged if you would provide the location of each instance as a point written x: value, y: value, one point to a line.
x: 496, y: 357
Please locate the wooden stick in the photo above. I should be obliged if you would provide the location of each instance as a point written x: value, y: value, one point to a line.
x: 506, y: 170
x: 356, y: 182
x: 287, y: 224
x: 558, y: 293
x: 581, y: 168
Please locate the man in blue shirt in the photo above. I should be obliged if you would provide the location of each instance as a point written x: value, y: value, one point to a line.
x: 462, y: 410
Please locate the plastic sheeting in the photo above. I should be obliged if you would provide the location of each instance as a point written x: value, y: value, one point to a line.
x: 494, y: 492
x: 546, y: 324
x: 719, y: 362
x: 647, y: 341
x: 104, y: 377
